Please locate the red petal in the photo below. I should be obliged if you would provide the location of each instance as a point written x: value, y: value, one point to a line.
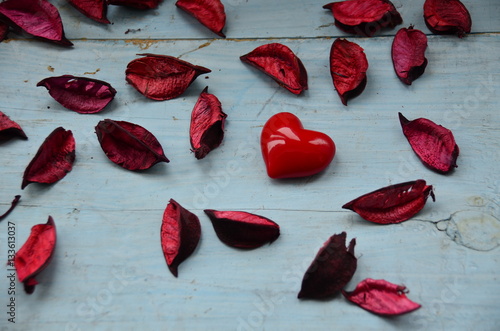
x: 331, y: 269
x: 80, y: 94
x: 381, y: 297
x: 9, y: 128
x: 392, y: 204
x: 36, y: 253
x: 348, y: 65
x: 364, y: 17
x: 53, y: 160
x: 37, y: 17
x: 243, y: 230
x: 180, y: 234
x: 162, y: 77
x: 207, y: 124
x: 12, y: 206
x: 129, y: 145
x: 281, y: 64
x: 210, y: 13
x: 408, y: 54
x: 433, y: 144
x: 136, y: 4
x: 93, y: 9
x: 447, y: 17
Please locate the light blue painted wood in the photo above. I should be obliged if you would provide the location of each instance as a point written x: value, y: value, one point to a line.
x: 108, y: 271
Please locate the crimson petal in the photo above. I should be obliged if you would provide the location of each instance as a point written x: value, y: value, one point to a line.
x: 129, y: 145
x: 434, y: 144
x: 180, y: 234
x: 241, y: 229
x: 136, y: 4
x: 447, y: 17
x: 9, y: 128
x: 381, y: 297
x: 35, y: 254
x: 348, y: 66
x: 53, y: 160
x: 37, y: 17
x: 80, y: 94
x: 392, y: 204
x: 162, y: 77
x: 210, y: 13
x: 207, y: 124
x: 12, y: 206
x: 93, y: 9
x: 331, y: 269
x: 408, y: 54
x: 281, y: 64
x: 364, y: 17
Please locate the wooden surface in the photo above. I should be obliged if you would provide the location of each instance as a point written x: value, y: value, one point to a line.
x: 108, y: 272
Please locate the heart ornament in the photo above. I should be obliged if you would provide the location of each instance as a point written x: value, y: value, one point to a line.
x: 290, y: 151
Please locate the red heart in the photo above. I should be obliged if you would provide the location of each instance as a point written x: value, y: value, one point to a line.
x: 291, y: 151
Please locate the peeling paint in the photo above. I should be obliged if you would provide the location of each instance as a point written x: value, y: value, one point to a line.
x: 141, y: 43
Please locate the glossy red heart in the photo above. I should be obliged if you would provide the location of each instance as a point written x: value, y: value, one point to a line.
x: 291, y: 151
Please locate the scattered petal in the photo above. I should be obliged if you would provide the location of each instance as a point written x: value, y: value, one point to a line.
x: 408, y: 54
x: 381, y: 297
x: 93, y: 9
x: 447, y: 17
x: 243, y: 230
x: 9, y: 128
x: 392, y: 204
x: 180, y: 234
x: 12, y: 206
x: 53, y: 160
x: 129, y: 145
x: 210, y: 13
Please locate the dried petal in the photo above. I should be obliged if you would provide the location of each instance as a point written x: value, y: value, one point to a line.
x: 381, y: 297
x: 37, y: 17
x: 53, y: 160
x: 180, y: 234
x: 12, y: 206
x: 408, y: 54
x: 331, y: 269
x: 364, y: 17
x: 434, y: 144
x: 93, y: 9
x: 9, y: 128
x: 281, y: 64
x: 207, y: 124
x: 80, y: 94
x: 35, y: 254
x: 243, y: 230
x: 348, y: 65
x: 129, y: 145
x: 4, y: 31
x: 162, y: 77
x: 136, y: 4
x: 392, y: 204
x: 447, y: 17
x: 210, y: 13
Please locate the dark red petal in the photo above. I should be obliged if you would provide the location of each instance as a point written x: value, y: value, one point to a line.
x: 4, y: 31
x: 129, y: 145
x: 12, y: 206
x: 364, y: 17
x: 210, y: 13
x: 331, y: 269
x: 162, y: 77
x: 93, y: 9
x: 80, y: 94
x: 37, y: 17
x: 433, y: 143
x: 392, y: 204
x: 447, y: 17
x: 35, y: 254
x: 207, y: 124
x: 408, y: 54
x: 9, y: 128
x: 348, y: 66
x: 136, y: 4
x: 53, y: 160
x: 381, y: 297
x: 281, y: 64
x: 243, y: 230
x: 180, y: 234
